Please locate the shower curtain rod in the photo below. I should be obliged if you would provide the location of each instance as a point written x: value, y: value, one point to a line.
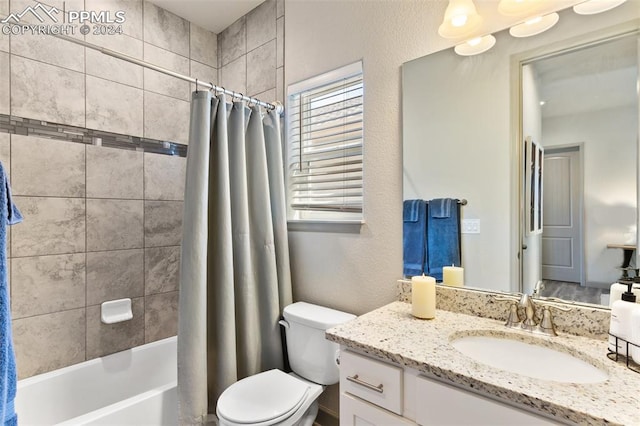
x: 277, y: 106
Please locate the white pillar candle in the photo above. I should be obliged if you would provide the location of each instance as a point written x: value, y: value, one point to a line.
x: 453, y: 276
x: 423, y: 297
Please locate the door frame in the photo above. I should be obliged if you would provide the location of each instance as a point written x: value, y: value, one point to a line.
x: 580, y: 189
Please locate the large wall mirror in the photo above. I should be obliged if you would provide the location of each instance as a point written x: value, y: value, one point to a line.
x: 540, y: 136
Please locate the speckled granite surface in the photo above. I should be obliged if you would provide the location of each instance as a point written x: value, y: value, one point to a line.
x: 392, y: 334
x: 581, y: 320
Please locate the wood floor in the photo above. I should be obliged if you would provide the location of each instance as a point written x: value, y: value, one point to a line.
x: 573, y: 291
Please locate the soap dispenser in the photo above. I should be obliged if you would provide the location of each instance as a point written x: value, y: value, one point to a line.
x: 620, y: 324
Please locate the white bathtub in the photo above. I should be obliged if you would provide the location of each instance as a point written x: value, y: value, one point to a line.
x: 134, y: 387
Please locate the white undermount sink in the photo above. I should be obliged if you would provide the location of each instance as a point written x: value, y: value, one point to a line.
x: 527, y: 359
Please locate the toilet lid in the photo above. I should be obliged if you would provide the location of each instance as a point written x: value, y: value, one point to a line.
x: 262, y: 397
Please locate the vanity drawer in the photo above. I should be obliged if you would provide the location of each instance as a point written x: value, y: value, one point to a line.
x: 372, y: 380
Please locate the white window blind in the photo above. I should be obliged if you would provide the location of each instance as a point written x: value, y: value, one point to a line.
x: 325, y: 129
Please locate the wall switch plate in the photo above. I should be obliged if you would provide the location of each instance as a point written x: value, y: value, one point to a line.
x: 470, y: 226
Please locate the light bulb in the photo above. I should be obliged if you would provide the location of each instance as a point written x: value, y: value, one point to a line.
x: 533, y: 21
x: 459, y: 21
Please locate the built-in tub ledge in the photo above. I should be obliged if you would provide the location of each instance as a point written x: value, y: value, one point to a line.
x: 391, y: 334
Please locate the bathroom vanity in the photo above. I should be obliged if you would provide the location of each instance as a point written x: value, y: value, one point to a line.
x: 395, y: 369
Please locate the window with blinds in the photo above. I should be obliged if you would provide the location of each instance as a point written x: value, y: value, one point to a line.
x: 325, y: 129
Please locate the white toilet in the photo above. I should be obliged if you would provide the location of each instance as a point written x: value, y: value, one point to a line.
x: 277, y: 398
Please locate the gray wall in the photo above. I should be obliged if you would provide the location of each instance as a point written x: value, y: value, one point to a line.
x: 100, y: 223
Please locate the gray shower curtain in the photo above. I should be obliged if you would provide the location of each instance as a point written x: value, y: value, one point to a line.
x: 234, y: 272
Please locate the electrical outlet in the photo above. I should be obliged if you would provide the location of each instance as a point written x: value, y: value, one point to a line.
x: 470, y: 226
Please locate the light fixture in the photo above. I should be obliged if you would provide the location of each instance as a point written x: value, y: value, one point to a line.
x: 534, y: 26
x: 461, y: 19
x: 475, y: 46
x: 591, y: 7
x: 521, y: 7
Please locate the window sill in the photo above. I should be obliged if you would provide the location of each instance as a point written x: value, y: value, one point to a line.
x: 342, y: 226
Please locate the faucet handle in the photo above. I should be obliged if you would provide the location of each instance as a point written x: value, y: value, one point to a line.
x: 547, y: 326
x: 508, y: 297
x: 513, y: 319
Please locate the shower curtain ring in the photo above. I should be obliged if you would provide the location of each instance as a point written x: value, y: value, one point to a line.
x: 196, y: 85
x: 212, y: 86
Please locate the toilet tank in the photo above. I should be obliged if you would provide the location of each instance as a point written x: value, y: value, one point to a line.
x: 310, y: 355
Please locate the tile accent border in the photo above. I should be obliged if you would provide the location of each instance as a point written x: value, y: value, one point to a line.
x: 44, y: 129
x: 581, y: 320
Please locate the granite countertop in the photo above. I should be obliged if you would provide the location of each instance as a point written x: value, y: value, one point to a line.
x: 390, y: 333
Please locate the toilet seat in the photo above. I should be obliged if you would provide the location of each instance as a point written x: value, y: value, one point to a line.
x: 263, y: 399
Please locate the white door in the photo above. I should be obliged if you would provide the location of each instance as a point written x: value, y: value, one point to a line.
x: 562, y: 248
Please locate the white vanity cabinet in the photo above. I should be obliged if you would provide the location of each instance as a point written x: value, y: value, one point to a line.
x: 373, y: 392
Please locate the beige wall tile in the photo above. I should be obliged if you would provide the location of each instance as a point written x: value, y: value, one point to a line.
x: 46, y: 92
x: 164, y: 29
x: 46, y: 284
x: 54, y: 51
x: 114, y: 69
x: 104, y: 339
x: 4, y: 39
x: 266, y: 96
x: 161, y: 269
x: 162, y: 223
x: 261, y: 25
x: 261, y: 68
x: 280, y: 94
x: 203, y: 72
x: 114, y: 107
x: 47, y: 167
x: 161, y: 316
x: 5, y: 154
x: 48, y: 342
x: 233, y: 76
x: 232, y: 42
x: 280, y: 42
x: 164, y: 177
x: 114, y: 173
x: 50, y: 226
x: 164, y: 84
x: 279, y: 8
x: 166, y: 118
x: 204, y: 46
x: 132, y: 25
x: 114, y: 275
x: 114, y: 224
x: 5, y: 88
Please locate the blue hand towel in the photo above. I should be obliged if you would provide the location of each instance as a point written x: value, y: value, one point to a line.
x: 414, y: 214
x: 443, y: 236
x: 9, y: 215
x: 441, y: 207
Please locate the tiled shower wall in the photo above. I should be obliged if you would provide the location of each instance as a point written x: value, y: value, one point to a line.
x: 251, y: 53
x: 100, y: 223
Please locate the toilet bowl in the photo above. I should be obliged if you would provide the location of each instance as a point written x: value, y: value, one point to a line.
x: 276, y: 398
x: 270, y: 398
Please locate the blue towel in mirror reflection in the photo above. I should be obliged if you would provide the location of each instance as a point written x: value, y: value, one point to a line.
x: 443, y: 235
x: 431, y: 236
x: 9, y: 215
x: 414, y: 242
